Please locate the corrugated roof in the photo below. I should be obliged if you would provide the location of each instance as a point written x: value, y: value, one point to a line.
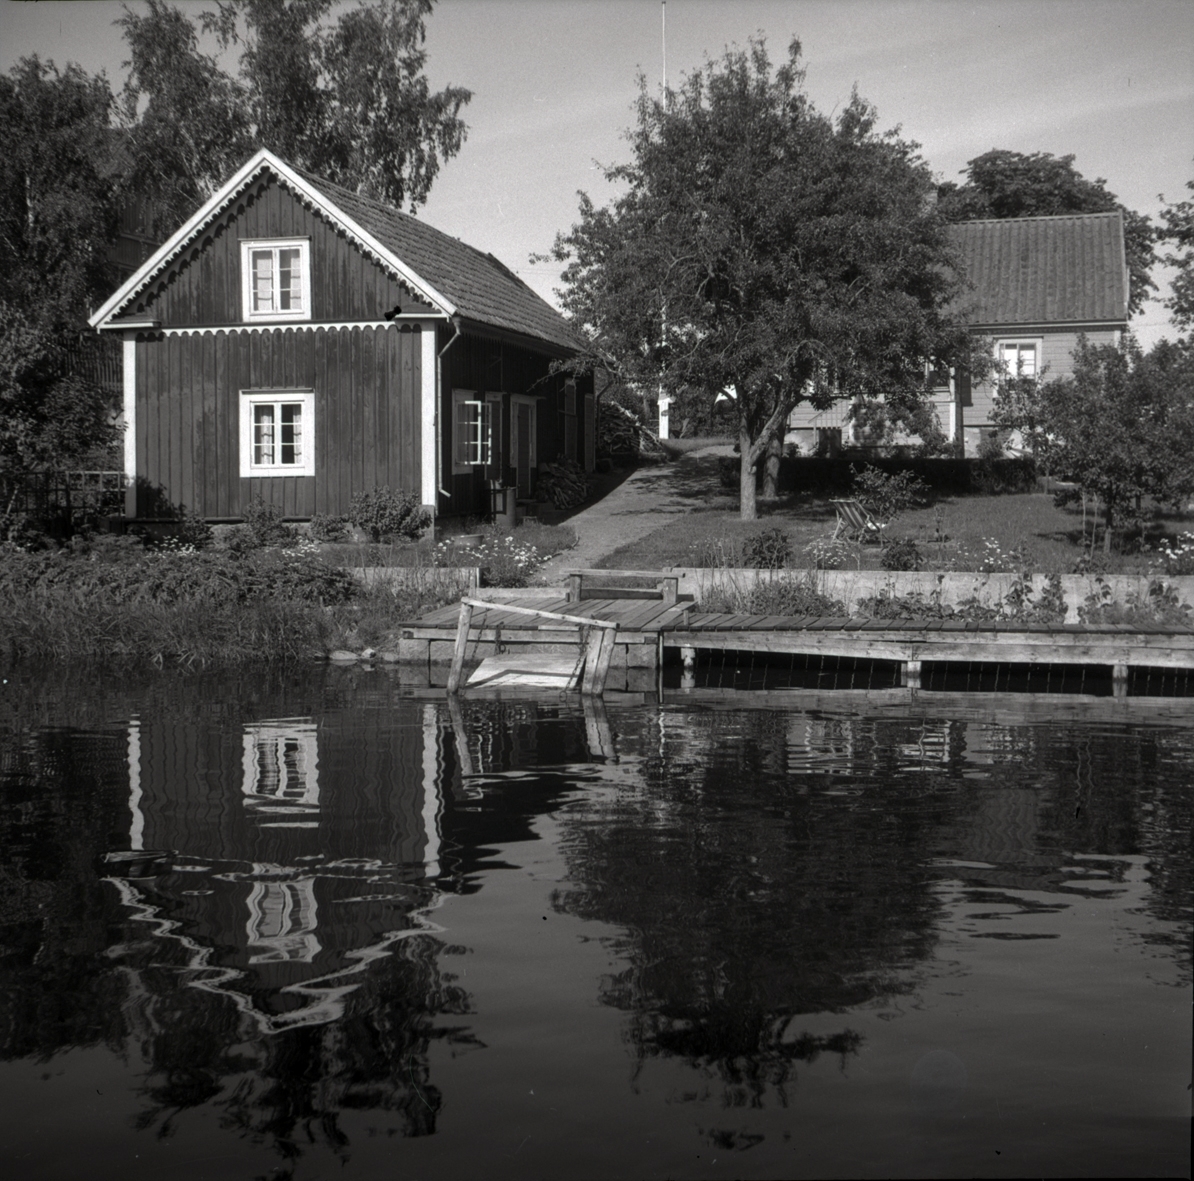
x: 1041, y: 270
x: 481, y: 287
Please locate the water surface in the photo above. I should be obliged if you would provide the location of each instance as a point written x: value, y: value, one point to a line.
x: 308, y: 925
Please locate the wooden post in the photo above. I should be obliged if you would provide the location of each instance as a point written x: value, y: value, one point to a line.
x: 597, y: 730
x: 574, y: 582
x: 605, y: 653
x: 466, y: 619
x: 669, y: 589
x: 583, y: 635
x: 592, y: 653
x: 463, y: 757
x: 910, y: 674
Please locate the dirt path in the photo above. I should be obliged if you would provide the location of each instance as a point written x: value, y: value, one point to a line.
x: 639, y: 505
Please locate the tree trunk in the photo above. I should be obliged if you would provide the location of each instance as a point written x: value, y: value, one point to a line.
x: 775, y: 450
x: 1107, y: 530
x: 747, y: 503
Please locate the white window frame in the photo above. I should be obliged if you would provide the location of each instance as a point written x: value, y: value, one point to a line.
x: 247, y: 247
x: 493, y: 403
x: 1019, y: 342
x: 472, y: 431
x: 249, y: 399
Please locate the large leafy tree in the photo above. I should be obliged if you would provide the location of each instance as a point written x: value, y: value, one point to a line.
x: 59, y: 193
x: 1121, y: 427
x: 1178, y: 231
x: 345, y: 97
x: 761, y: 247
x: 1003, y: 184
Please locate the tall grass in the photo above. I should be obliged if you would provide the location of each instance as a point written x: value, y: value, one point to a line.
x: 778, y: 596
x: 192, y: 608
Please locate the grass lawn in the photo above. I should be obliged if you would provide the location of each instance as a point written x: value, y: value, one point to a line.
x: 977, y: 531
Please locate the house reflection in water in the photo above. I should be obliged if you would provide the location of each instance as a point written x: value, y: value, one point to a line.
x: 285, y: 858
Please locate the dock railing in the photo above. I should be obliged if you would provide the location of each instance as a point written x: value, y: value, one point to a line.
x: 666, y: 583
x: 595, y: 643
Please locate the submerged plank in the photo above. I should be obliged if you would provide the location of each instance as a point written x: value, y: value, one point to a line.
x: 536, y: 670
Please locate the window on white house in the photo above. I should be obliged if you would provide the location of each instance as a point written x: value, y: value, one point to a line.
x: 472, y: 419
x: 277, y: 433
x: 276, y: 279
x: 1019, y: 358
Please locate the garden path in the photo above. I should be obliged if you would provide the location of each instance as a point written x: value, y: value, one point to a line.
x: 636, y: 507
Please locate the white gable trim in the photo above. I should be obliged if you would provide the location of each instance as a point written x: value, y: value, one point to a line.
x: 307, y: 193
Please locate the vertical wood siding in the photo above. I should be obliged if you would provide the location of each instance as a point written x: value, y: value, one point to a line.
x: 489, y: 366
x: 1057, y: 348
x: 367, y: 430
x: 203, y: 287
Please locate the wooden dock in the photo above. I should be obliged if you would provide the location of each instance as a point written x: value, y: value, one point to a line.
x: 648, y: 627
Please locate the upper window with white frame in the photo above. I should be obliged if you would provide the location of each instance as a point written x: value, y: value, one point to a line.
x: 276, y: 279
x: 277, y: 436
x: 1019, y: 358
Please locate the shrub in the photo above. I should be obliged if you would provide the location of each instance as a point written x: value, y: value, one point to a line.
x: 716, y: 553
x: 911, y: 606
x: 886, y: 494
x: 769, y: 550
x: 503, y: 560
x: 828, y: 553
x: 330, y: 528
x: 900, y: 553
x: 385, y: 514
x: 1177, y: 558
x: 1159, y: 604
x: 264, y: 522
x: 992, y: 444
x: 779, y: 596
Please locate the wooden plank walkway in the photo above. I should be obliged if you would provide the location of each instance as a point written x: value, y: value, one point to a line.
x: 903, y: 640
x: 647, y: 627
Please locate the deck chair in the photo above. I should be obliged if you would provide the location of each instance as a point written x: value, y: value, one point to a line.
x: 855, y: 522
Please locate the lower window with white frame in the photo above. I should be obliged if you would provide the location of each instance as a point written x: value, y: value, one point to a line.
x: 277, y: 433
x: 472, y: 420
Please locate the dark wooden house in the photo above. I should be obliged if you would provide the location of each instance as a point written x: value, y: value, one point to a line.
x: 300, y: 343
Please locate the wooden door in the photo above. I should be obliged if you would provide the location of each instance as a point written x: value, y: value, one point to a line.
x: 522, y: 448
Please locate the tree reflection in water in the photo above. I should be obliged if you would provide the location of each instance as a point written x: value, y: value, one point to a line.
x: 760, y: 878
x: 236, y: 893
x: 775, y: 864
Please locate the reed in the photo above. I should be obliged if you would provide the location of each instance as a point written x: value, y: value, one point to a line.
x: 192, y: 608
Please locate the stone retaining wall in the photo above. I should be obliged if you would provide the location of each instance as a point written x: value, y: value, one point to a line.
x: 953, y: 588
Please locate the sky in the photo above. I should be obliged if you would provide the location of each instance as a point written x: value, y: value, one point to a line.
x: 554, y: 81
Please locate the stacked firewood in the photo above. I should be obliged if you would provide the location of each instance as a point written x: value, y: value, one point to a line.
x: 621, y: 432
x: 563, y: 483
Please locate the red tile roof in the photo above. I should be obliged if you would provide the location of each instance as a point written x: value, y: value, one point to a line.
x: 1042, y: 270
x: 482, y: 288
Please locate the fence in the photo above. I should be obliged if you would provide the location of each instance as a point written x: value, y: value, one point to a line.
x: 64, y: 495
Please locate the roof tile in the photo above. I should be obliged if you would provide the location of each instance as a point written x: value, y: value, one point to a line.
x: 1040, y: 270
x: 480, y: 286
